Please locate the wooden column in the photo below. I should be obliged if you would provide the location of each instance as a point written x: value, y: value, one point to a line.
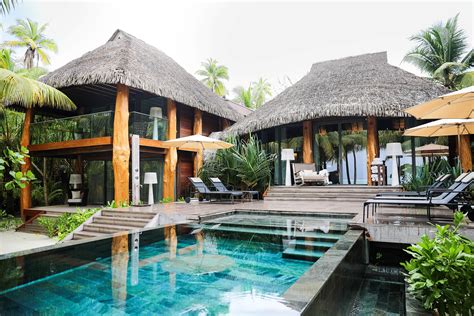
x: 308, y: 142
x: 372, y: 144
x: 465, y: 154
x: 197, y: 129
x: 121, y: 146
x: 171, y: 156
x: 224, y: 123
x: 25, y: 194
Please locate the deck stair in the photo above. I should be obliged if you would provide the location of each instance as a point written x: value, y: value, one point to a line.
x: 34, y: 227
x: 346, y: 193
x: 112, y: 221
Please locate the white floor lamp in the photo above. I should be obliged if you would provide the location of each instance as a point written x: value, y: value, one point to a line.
x: 288, y: 154
x: 156, y: 113
x: 394, y: 150
x: 150, y: 179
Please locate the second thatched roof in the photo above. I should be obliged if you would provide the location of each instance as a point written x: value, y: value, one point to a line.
x: 128, y: 60
x: 358, y: 86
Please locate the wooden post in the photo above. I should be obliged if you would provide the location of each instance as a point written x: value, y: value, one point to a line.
x: 121, y: 146
x: 197, y: 129
x: 171, y: 156
x: 25, y: 194
x: 308, y: 142
x: 135, y: 169
x: 224, y: 123
x: 372, y: 144
x: 465, y: 154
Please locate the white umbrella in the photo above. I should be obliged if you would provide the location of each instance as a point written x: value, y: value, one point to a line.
x: 197, y: 142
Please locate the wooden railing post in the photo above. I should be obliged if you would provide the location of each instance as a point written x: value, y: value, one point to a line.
x: 308, y: 142
x: 171, y: 156
x: 372, y: 144
x: 25, y: 194
x: 197, y: 129
x: 465, y: 154
x: 121, y: 145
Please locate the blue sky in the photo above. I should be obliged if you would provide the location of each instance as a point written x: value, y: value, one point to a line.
x: 254, y: 39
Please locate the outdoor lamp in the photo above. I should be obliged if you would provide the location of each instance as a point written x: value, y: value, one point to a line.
x: 156, y: 113
x: 288, y: 154
x: 75, y: 179
x: 394, y: 150
x: 150, y: 179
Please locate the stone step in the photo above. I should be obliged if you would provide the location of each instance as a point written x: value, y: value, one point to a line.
x: 128, y: 214
x: 366, y: 190
x: 86, y: 234
x: 313, y: 244
x: 308, y: 255
x: 33, y: 228
x: 318, y: 194
x: 121, y: 221
x: 315, y: 199
x: 105, y: 228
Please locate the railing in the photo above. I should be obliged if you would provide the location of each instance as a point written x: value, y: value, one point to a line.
x: 71, y: 128
x: 147, y: 126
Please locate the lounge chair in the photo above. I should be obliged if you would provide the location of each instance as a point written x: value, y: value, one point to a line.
x: 449, y: 198
x: 205, y: 192
x: 217, y: 183
x: 305, y: 173
x: 437, y: 184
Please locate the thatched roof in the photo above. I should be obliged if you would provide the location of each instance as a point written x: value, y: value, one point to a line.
x: 239, y: 108
x: 128, y: 60
x: 364, y: 85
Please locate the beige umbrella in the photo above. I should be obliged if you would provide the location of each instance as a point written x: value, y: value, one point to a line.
x: 197, y: 142
x: 432, y: 150
x: 457, y: 104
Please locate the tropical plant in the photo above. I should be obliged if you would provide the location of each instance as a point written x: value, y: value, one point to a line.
x: 213, y: 74
x: 6, y: 6
x: 66, y: 223
x: 244, y: 96
x: 246, y: 165
x: 8, y: 221
x: 12, y: 160
x: 427, y: 173
x: 30, y: 34
x: 440, y: 274
x: 261, y: 89
x: 441, y: 53
x: 353, y: 142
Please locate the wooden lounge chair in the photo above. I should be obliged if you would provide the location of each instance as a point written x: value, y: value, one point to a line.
x: 437, y: 184
x: 201, y: 189
x: 449, y: 198
x: 219, y: 185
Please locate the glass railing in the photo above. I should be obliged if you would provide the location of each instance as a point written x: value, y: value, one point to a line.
x: 147, y: 126
x: 71, y: 128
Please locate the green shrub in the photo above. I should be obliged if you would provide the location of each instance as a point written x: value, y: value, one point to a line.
x: 426, y: 174
x: 166, y: 200
x: 441, y: 273
x: 114, y: 204
x: 66, y: 223
x: 8, y: 221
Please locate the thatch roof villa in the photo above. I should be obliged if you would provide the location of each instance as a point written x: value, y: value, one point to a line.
x: 126, y: 87
x: 341, y: 106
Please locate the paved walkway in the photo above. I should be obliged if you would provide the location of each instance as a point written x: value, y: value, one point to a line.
x: 12, y: 241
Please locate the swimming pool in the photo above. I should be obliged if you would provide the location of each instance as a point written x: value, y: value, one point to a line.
x: 240, y: 263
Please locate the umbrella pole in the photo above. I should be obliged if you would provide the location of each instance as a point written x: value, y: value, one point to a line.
x: 459, y: 147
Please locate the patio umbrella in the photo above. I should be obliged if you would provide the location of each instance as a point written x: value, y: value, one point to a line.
x: 457, y: 104
x: 432, y: 150
x: 197, y: 142
x: 445, y: 127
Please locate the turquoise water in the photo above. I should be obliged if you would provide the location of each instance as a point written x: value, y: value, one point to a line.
x: 209, y: 271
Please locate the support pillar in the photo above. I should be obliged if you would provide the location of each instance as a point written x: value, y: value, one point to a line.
x: 372, y: 144
x: 224, y: 123
x: 197, y: 129
x: 465, y: 154
x: 25, y: 193
x: 171, y: 156
x: 121, y: 146
x: 308, y: 142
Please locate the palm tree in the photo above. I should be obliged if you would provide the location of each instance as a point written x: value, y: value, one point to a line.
x: 7, y: 62
x: 261, y: 89
x: 31, y: 35
x: 213, y: 74
x: 6, y: 6
x: 441, y: 53
x: 244, y: 96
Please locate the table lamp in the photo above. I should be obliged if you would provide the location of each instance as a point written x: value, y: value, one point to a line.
x: 394, y: 150
x: 288, y: 154
x: 150, y: 179
x: 75, y: 179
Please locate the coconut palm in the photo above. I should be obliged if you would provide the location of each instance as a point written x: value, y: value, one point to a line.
x: 261, y: 89
x: 7, y: 62
x: 6, y: 6
x: 213, y: 74
x: 441, y: 52
x: 244, y: 96
x: 30, y: 34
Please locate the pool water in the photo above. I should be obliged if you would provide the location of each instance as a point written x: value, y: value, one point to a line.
x: 220, y: 267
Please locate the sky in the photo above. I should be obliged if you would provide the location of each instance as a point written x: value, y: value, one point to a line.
x: 269, y: 39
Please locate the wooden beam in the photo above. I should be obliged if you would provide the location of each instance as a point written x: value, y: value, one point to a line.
x: 171, y: 156
x: 121, y: 146
x: 25, y: 194
x: 308, y: 142
x: 465, y: 154
x: 197, y: 129
x: 69, y: 144
x: 372, y: 144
